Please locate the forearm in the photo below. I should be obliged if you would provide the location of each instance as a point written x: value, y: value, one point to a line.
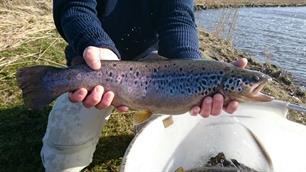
x: 78, y: 24
x: 177, y: 31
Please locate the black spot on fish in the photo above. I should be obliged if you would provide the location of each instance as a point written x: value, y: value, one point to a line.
x: 239, y: 89
x: 110, y: 74
x: 114, y: 65
x: 221, y: 73
x: 181, y: 69
x: 154, y: 70
x: 230, y: 81
x: 204, y: 82
x: 99, y: 74
x: 232, y: 88
x: 213, y: 77
x: 203, y: 68
x: 146, y: 82
x: 135, y: 82
x: 199, y: 89
x: 131, y: 68
x: 216, y: 82
x: 137, y: 74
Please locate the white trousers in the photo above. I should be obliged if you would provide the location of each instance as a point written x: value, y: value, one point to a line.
x: 72, y: 134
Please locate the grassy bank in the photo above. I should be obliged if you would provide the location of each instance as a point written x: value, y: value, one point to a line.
x: 28, y: 37
x: 204, y: 4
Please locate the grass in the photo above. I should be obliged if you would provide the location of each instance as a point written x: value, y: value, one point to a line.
x: 28, y: 37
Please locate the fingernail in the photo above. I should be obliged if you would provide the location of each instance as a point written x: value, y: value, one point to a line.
x: 195, y: 111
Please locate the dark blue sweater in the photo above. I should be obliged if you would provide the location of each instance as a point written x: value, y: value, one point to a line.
x: 128, y: 27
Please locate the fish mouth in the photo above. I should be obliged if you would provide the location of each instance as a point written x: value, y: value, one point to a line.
x: 256, y: 95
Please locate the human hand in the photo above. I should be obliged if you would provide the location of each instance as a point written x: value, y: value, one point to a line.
x: 96, y: 97
x: 213, y: 105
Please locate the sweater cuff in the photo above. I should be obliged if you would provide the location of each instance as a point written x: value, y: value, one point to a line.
x: 96, y: 39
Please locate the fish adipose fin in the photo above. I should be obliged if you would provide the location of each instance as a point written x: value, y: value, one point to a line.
x: 30, y: 80
x: 141, y: 116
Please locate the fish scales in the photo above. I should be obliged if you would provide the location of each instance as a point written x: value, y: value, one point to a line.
x: 162, y: 86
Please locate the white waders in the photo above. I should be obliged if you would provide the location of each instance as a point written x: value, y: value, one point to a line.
x: 72, y: 134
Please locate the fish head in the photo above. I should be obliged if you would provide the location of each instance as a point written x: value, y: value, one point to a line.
x: 245, y: 85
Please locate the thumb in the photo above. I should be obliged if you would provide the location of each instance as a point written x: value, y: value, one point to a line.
x: 241, y: 62
x: 91, y: 56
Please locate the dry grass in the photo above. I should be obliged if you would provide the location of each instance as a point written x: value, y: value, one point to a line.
x: 226, y: 25
x: 21, y: 23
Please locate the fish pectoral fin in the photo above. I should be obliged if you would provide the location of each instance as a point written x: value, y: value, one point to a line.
x: 141, y: 116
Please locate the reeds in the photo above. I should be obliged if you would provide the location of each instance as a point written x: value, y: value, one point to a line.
x: 226, y: 25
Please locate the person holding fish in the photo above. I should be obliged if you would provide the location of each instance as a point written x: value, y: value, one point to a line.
x: 114, y: 30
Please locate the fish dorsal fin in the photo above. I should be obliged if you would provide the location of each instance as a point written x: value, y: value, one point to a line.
x: 141, y: 116
x: 153, y: 57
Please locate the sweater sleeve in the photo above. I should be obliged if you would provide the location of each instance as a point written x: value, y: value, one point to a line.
x: 78, y: 24
x: 177, y: 30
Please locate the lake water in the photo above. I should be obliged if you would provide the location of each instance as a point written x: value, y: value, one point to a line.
x: 278, y: 32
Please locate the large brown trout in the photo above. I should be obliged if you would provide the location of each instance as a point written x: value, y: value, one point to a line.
x: 157, y: 86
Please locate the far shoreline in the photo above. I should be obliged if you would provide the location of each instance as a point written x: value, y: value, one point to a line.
x: 206, y: 4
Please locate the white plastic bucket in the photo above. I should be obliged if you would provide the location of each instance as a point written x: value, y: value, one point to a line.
x: 190, y: 141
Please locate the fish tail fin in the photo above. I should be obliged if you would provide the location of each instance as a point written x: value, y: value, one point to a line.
x: 34, y: 92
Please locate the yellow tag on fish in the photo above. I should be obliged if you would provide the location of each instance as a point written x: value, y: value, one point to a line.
x: 141, y: 116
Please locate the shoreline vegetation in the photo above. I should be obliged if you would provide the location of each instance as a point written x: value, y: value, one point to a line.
x: 214, y: 4
x: 28, y: 37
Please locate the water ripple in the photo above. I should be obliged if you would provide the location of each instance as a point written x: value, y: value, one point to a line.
x: 279, y: 31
